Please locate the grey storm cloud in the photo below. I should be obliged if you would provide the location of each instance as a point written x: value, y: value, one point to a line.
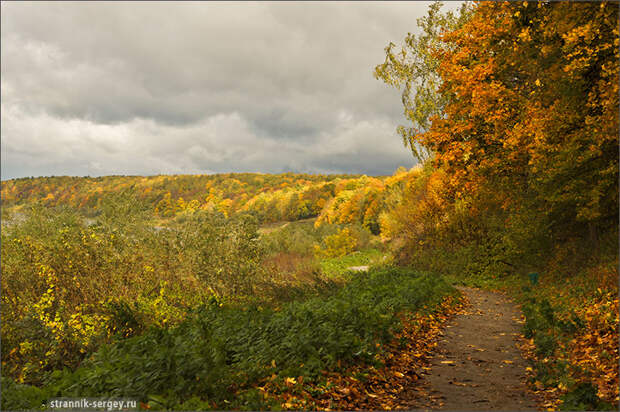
x: 148, y: 88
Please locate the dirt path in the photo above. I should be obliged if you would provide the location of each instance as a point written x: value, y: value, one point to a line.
x: 477, y: 365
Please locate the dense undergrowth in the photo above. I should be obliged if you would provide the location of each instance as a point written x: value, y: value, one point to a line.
x: 72, y: 283
x: 211, y: 359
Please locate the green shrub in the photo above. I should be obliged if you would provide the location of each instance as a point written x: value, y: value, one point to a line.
x: 65, y: 278
x: 21, y: 397
x: 124, y: 318
x: 222, y: 347
x: 339, y: 244
x: 296, y: 237
x: 540, y: 322
x: 225, y: 253
x: 582, y: 397
x: 546, y: 344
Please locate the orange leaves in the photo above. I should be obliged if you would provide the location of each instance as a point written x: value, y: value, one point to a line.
x: 522, y: 122
x: 591, y: 351
x: 596, y: 350
x: 366, y: 387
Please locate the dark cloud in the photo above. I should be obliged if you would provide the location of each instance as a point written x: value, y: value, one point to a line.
x: 144, y: 88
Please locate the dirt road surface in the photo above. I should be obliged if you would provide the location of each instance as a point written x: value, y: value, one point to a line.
x: 476, y: 364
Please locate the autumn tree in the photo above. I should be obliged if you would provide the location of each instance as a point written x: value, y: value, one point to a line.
x: 532, y: 100
x: 523, y: 123
x: 413, y: 69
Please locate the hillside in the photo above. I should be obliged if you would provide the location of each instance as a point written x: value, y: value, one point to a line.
x: 289, y: 196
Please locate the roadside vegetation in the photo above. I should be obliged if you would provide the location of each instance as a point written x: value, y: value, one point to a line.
x: 214, y: 357
x: 213, y: 304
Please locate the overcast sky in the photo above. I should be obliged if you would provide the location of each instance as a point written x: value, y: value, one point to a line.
x: 161, y: 88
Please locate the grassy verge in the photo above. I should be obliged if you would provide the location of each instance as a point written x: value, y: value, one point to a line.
x: 333, y: 267
x: 213, y: 359
x: 372, y: 387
